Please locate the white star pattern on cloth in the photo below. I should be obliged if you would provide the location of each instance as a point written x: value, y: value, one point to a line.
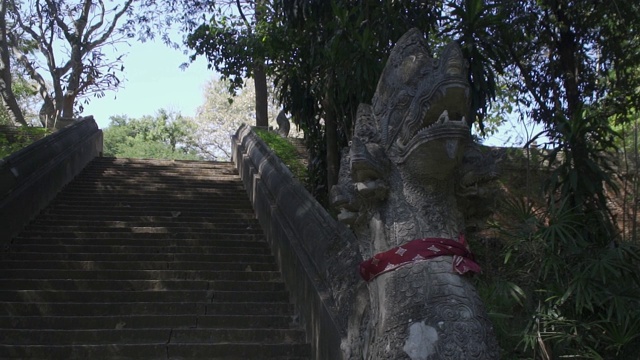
x: 401, y: 251
x: 418, y: 258
x: 434, y: 248
x: 375, y: 261
x: 389, y: 267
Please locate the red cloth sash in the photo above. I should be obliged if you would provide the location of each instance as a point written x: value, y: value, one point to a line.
x: 420, y: 250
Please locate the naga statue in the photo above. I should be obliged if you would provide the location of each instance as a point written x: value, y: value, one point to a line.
x: 410, y: 166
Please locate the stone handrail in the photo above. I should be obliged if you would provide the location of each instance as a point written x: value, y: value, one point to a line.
x: 303, y: 237
x: 31, y: 177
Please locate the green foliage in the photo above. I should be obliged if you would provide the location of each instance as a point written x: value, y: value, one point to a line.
x: 165, y: 136
x: 285, y: 151
x: 560, y: 292
x: 476, y: 25
x: 23, y: 136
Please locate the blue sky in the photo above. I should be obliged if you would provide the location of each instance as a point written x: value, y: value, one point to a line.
x: 153, y: 81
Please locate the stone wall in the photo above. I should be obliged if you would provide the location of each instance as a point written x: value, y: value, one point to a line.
x: 31, y: 177
x: 316, y: 254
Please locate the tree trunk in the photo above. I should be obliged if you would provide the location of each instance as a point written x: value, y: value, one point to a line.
x: 262, y: 96
x: 8, y: 97
x: 333, y: 153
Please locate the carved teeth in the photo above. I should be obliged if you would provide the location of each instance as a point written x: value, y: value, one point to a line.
x: 444, y: 117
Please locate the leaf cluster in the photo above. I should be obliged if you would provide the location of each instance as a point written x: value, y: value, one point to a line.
x: 19, y: 138
x: 164, y: 136
x: 559, y: 293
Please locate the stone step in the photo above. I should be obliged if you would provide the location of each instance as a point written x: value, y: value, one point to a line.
x: 161, y: 171
x: 129, y: 211
x: 143, y: 308
x: 149, y: 296
x: 138, y: 232
x: 222, y: 195
x: 167, y: 218
x: 140, y: 235
x: 142, y: 275
x: 119, y: 186
x: 152, y: 203
x: 176, y: 179
x: 146, y: 336
x: 30, y: 257
x: 148, y: 321
x: 117, y: 226
x: 139, y: 259
x: 229, y: 240
x: 228, y: 351
x: 132, y: 163
x: 100, y: 309
x: 136, y: 265
x: 138, y: 285
x: 125, y: 249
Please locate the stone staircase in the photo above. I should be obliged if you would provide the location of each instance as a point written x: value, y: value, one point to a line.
x: 146, y: 259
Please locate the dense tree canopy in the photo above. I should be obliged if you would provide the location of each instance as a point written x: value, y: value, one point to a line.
x: 220, y: 116
x: 60, y: 46
x: 163, y: 136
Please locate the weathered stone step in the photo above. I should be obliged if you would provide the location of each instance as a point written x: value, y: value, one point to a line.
x: 141, y: 234
x: 142, y: 275
x: 105, y: 171
x: 118, y: 186
x: 249, y: 308
x: 147, y: 321
x: 176, y: 179
x: 133, y: 163
x: 229, y: 240
x: 172, y: 226
x: 127, y: 257
x: 56, y: 297
x: 124, y: 285
x: 216, y: 336
x: 143, y: 308
x: 135, y: 231
x: 102, y: 309
x: 95, y: 352
x: 287, y: 351
x: 81, y: 337
x: 149, y: 296
x: 160, y: 351
x: 140, y: 259
x: 145, y: 336
x: 187, y: 194
x: 139, y: 285
x: 161, y: 172
x: 150, y: 203
x: 136, y: 265
x: 117, y: 216
x: 129, y: 211
x: 124, y: 249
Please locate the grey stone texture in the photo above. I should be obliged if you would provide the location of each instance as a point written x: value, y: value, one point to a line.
x: 31, y: 177
x: 410, y: 167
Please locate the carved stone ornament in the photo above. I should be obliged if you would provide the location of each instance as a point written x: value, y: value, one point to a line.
x: 400, y: 189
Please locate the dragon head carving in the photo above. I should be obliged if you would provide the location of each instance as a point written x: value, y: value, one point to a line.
x: 421, y: 102
x: 406, y: 184
x: 416, y: 124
